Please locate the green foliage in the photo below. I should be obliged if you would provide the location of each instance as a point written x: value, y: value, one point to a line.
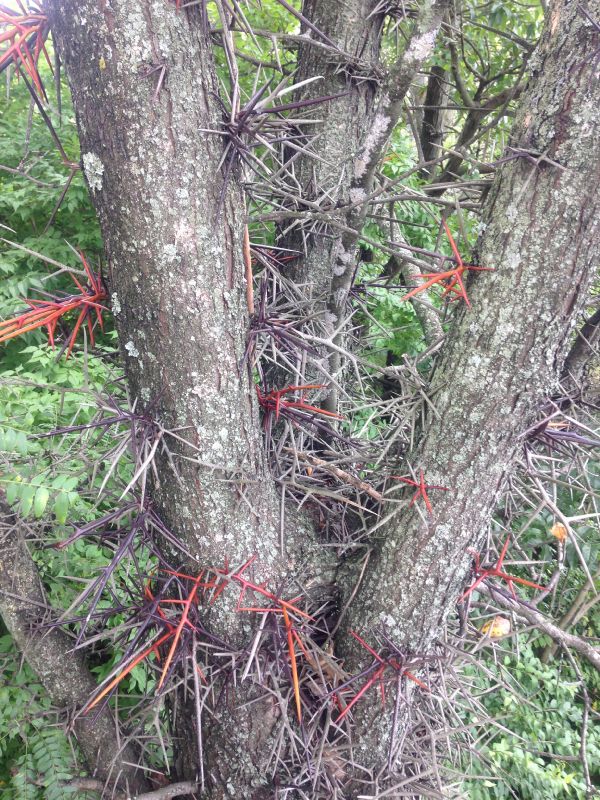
x: 36, y: 758
x: 391, y: 328
x: 539, y: 713
x: 55, y: 481
x: 49, y: 479
x: 42, y: 475
x: 27, y: 207
x: 492, y: 53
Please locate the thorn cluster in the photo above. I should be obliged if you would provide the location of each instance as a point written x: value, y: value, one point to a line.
x: 274, y: 400
x: 24, y: 32
x: 47, y: 313
x: 452, y: 279
x: 397, y: 662
x: 421, y: 488
x: 483, y: 573
x: 208, y: 585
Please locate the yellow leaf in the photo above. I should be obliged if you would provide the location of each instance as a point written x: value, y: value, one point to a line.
x: 559, y: 532
x: 496, y: 628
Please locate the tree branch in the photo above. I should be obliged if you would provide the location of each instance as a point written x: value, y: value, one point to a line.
x: 470, y: 130
x: 498, y: 363
x: 534, y: 617
x: 584, y: 349
x: 50, y: 655
x: 426, y: 313
x: 419, y: 47
x: 164, y: 793
x: 579, y: 608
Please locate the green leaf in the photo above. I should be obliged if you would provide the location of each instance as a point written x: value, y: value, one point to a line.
x: 61, y: 507
x: 12, y: 491
x: 21, y: 445
x: 41, y: 501
x: 27, y: 499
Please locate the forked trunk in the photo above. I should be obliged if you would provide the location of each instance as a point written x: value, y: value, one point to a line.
x: 144, y: 87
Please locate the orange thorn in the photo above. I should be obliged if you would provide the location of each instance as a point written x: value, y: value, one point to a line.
x: 290, y: 639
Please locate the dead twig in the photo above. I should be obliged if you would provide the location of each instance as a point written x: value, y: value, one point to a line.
x: 339, y: 473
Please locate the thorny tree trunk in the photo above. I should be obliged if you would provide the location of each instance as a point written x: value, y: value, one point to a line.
x: 542, y: 237
x: 434, y: 115
x: 144, y: 87
x: 142, y: 78
x: 325, y: 175
x: 340, y: 173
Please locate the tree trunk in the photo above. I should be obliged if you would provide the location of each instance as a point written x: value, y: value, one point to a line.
x: 143, y: 84
x: 502, y: 357
x: 325, y: 172
x: 434, y: 115
x: 338, y: 172
x: 173, y: 238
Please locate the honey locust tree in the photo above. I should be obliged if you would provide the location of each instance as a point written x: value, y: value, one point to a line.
x: 196, y: 171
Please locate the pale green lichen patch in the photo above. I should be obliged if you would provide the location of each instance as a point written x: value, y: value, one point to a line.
x: 94, y: 171
x: 131, y: 349
x: 115, y: 304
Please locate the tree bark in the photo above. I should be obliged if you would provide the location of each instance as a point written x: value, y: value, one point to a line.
x: 434, y: 115
x: 503, y: 356
x: 353, y: 136
x: 173, y: 237
x: 350, y: 69
x: 144, y: 86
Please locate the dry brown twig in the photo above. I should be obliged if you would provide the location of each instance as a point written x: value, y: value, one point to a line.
x: 344, y: 476
x: 163, y: 793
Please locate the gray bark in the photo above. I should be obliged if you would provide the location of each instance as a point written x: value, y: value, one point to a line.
x: 353, y: 137
x: 355, y: 73
x: 432, y: 129
x: 175, y: 268
x: 503, y: 357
